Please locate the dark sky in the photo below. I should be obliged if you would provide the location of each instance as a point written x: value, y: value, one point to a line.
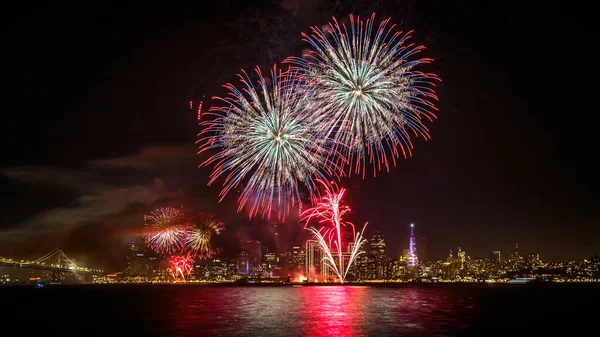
x: 96, y: 128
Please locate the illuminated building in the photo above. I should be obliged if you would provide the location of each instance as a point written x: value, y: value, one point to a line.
x: 132, y: 250
x: 215, y: 270
x: 271, y: 264
x: 412, y: 247
x: 363, y: 267
x: 515, y: 260
x: 312, y: 264
x: 285, y: 262
x: 298, y: 257
x: 533, y: 259
x: 138, y: 264
x: 271, y: 258
x: 516, y: 252
x: 461, y: 258
x: 405, y: 254
x: 254, y: 250
x: 243, y: 263
x: 496, y: 256
x: 398, y: 269
x: 379, y: 256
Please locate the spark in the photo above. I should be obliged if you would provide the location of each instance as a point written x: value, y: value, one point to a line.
x: 164, y: 230
x: 181, y: 266
x: 198, y: 240
x: 363, y: 83
x: 267, y: 145
x: 329, y: 213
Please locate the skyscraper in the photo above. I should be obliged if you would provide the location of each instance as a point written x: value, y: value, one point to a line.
x: 254, y: 250
x: 461, y: 258
x: 313, y: 259
x: 412, y: 247
x: 132, y: 250
x: 496, y: 256
x: 379, y: 255
x: 243, y: 263
x: 137, y: 263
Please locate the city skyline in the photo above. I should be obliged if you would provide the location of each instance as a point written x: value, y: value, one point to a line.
x: 255, y: 262
x: 258, y: 252
x: 101, y: 131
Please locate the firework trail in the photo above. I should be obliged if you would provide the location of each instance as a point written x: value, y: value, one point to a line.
x: 164, y: 230
x: 266, y: 144
x: 323, y: 237
x: 198, y: 238
x: 362, y: 84
x: 181, y: 265
x: 329, y: 213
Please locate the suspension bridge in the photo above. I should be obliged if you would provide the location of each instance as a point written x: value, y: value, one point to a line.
x: 56, y: 261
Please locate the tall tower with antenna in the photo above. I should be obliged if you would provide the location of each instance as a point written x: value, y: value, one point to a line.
x: 412, y: 248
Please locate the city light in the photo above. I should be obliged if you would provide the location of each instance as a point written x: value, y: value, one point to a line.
x: 304, y: 264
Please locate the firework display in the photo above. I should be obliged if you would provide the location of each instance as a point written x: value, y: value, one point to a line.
x: 266, y: 144
x: 198, y: 240
x: 362, y: 85
x: 181, y: 266
x: 328, y: 214
x: 164, y: 230
x: 353, y: 103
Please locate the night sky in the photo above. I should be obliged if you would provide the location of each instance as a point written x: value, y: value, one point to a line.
x: 97, y: 131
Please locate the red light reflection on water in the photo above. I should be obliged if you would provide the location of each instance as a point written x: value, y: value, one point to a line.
x: 332, y: 310
x: 326, y: 310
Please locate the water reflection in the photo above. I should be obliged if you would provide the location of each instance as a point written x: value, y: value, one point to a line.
x: 365, y: 311
x: 332, y: 311
x: 318, y: 311
x: 181, y: 311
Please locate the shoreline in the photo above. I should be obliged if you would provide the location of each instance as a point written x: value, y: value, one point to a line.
x: 300, y: 285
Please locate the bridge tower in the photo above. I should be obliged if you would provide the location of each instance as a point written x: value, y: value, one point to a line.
x: 56, y: 274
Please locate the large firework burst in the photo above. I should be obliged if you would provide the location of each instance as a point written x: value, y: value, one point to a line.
x: 266, y: 144
x: 164, y: 230
x: 198, y: 240
x: 363, y: 84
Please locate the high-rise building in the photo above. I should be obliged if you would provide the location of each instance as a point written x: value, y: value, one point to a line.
x: 254, y: 250
x: 272, y: 264
x: 461, y: 255
x: 313, y: 259
x: 298, y: 257
x: 137, y: 263
x: 379, y: 255
x: 271, y: 259
x: 412, y: 247
x: 285, y: 263
x: 378, y: 245
x: 263, y: 253
x: 215, y: 269
x: 132, y: 250
x: 243, y: 263
x: 405, y: 255
x: 495, y: 256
